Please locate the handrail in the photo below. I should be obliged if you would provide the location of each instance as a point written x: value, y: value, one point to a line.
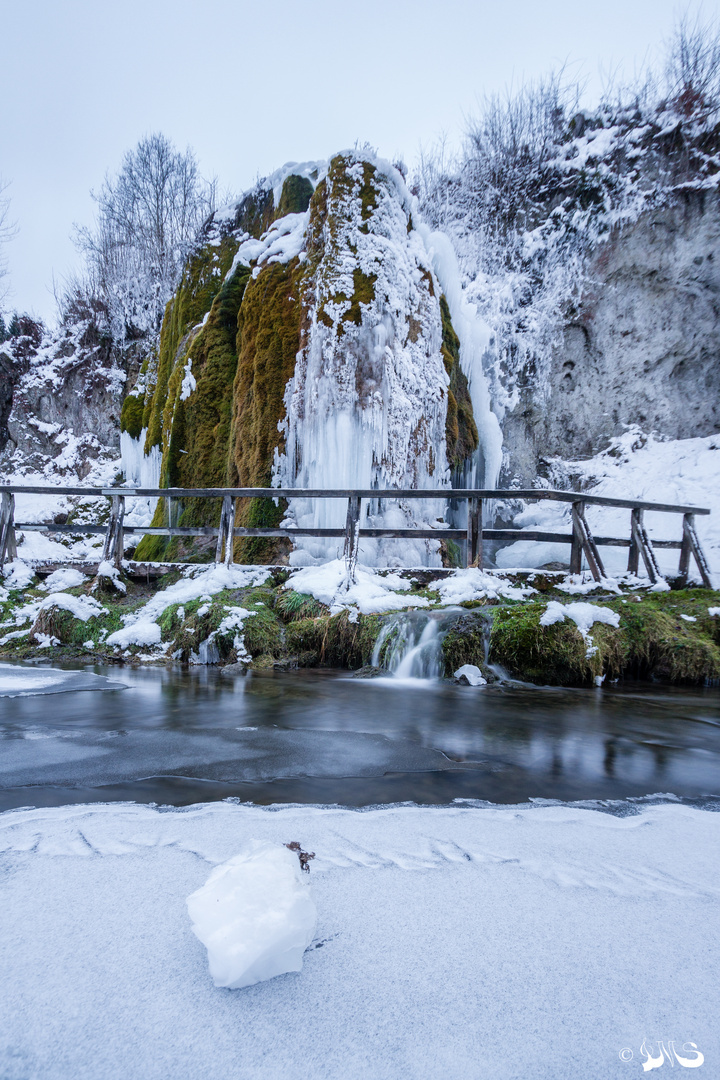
x: 580, y: 539
x: 361, y: 493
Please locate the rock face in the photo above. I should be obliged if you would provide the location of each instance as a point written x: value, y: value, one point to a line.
x: 60, y: 399
x: 641, y: 348
x: 308, y: 345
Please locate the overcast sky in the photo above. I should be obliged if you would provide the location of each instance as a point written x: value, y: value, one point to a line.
x: 252, y: 85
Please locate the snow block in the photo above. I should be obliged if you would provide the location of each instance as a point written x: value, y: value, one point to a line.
x: 255, y: 915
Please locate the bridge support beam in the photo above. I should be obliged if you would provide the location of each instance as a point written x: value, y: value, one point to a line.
x: 8, y: 549
x: 583, y: 543
x: 641, y: 544
x: 475, y: 533
x: 691, y: 546
x: 352, y: 533
x: 114, y: 546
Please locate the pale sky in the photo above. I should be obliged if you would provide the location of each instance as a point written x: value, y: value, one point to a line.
x: 252, y: 85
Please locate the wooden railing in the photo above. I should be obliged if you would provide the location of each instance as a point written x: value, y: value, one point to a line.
x: 581, y: 540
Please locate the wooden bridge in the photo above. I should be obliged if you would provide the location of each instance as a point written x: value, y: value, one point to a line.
x: 580, y: 539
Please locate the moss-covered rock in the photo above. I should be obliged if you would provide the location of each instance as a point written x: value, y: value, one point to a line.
x: 651, y: 642
x: 461, y: 431
x: 297, y: 191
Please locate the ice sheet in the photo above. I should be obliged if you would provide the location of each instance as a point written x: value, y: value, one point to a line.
x: 461, y: 943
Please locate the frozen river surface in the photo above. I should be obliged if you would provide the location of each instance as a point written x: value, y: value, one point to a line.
x: 317, y: 737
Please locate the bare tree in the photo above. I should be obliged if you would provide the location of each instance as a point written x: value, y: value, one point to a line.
x: 692, y: 68
x: 148, y: 218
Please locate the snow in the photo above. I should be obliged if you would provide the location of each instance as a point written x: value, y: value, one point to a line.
x: 688, y: 618
x: 188, y: 384
x: 141, y: 632
x: 283, y: 241
x: 714, y: 611
x: 67, y: 577
x: 141, y: 627
x: 583, y: 615
x: 452, y: 942
x: 17, y: 574
x: 18, y: 680
x: 471, y: 674
x: 684, y: 472
x: 108, y: 570
x: 255, y: 915
x: 367, y: 592
x: 473, y: 584
x: 80, y: 607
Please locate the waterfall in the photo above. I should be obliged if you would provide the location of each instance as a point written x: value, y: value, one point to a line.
x: 367, y: 404
x: 409, y: 645
x: 474, y: 335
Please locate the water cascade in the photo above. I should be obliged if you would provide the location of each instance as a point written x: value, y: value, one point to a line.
x: 409, y: 645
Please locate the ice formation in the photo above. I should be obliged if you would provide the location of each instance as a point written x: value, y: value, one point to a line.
x: 255, y: 915
x: 471, y: 675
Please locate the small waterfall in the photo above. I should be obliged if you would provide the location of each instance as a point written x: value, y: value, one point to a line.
x: 409, y: 646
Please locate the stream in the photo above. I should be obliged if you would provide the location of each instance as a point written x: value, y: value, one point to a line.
x: 316, y: 736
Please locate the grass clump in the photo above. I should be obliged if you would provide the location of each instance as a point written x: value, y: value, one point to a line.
x: 333, y: 640
x: 291, y: 606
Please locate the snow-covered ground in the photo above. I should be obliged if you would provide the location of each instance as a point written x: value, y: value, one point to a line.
x: 453, y: 943
x: 684, y: 472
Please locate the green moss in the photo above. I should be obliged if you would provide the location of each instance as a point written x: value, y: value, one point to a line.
x: 263, y: 633
x: 652, y: 641
x: 196, y: 432
x: 363, y: 293
x: 201, y: 281
x: 464, y: 643
x: 333, y: 641
x: 461, y: 432
x: 131, y: 416
x: 297, y: 191
x: 268, y: 340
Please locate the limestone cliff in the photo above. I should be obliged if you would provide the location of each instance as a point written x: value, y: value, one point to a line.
x: 641, y: 347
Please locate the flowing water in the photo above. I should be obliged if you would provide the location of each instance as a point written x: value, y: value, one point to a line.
x: 179, y: 737
x: 409, y: 646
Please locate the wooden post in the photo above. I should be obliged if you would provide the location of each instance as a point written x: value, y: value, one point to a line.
x: 691, y: 544
x: 226, y: 523
x: 114, y: 546
x: 685, y: 549
x: 643, y: 543
x: 583, y: 541
x: 634, y: 552
x: 230, y: 535
x: 474, y: 533
x: 352, y: 532
x: 8, y: 550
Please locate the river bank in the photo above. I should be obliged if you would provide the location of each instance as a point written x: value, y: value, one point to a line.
x: 542, y: 627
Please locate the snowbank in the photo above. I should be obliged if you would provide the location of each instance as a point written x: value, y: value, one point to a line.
x: 685, y: 472
x: 462, y: 942
x: 369, y: 592
x: 198, y: 583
